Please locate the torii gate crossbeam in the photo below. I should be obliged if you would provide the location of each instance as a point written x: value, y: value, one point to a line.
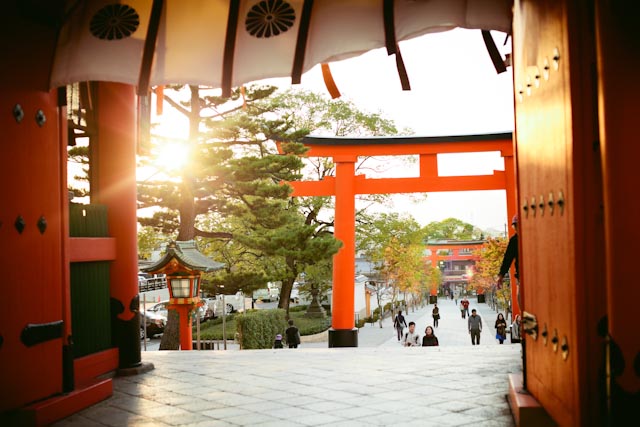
x: 345, y: 186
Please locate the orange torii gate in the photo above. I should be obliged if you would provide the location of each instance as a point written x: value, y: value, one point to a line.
x: 346, y: 184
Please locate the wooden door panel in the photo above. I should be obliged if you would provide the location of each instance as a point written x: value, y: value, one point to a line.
x: 543, y: 150
x: 30, y: 355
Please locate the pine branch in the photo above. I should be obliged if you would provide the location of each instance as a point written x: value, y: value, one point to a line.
x: 213, y: 234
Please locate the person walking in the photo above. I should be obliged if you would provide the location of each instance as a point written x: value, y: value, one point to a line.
x: 278, y: 341
x: 399, y: 323
x: 475, y: 327
x: 436, y: 315
x: 462, y: 310
x: 293, y: 335
x: 411, y: 339
x: 515, y: 330
x: 465, y: 304
x: 501, y: 328
x: 429, y: 339
x: 511, y: 256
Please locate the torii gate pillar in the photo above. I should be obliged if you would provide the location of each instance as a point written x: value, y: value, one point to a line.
x: 343, y: 332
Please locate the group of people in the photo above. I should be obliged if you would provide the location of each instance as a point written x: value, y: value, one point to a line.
x: 293, y: 336
x: 474, y: 323
x: 411, y: 338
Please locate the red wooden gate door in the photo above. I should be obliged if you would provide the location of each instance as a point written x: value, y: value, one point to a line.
x: 33, y: 200
x: 559, y: 192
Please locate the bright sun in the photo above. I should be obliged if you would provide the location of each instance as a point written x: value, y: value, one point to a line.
x: 172, y: 156
x: 172, y: 148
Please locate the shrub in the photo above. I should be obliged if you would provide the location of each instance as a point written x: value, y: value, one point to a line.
x: 298, y: 308
x: 310, y: 325
x: 361, y: 322
x: 257, y: 329
x: 212, y: 330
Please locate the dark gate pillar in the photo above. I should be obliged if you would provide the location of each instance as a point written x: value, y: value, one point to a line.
x: 113, y: 183
x: 618, y: 51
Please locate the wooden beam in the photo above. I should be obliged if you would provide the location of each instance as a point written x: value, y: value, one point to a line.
x: 85, y: 249
x: 327, y: 187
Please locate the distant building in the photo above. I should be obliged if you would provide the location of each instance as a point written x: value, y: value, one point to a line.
x: 456, y: 260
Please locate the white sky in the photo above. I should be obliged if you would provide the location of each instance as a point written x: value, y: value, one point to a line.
x: 454, y: 91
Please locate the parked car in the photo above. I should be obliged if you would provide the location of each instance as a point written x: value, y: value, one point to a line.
x: 211, y: 307
x: 295, y: 293
x: 162, y: 310
x: 206, y: 312
x: 155, y: 323
x: 274, y: 292
x: 263, y: 294
x: 233, y: 303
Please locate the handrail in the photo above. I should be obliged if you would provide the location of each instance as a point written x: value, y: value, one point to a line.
x: 153, y: 284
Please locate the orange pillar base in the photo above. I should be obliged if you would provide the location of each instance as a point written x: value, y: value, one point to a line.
x: 343, y: 337
x: 186, y: 330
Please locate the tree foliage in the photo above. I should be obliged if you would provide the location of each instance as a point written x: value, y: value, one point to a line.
x: 451, y: 229
x: 79, y: 155
x: 394, y: 243
x: 319, y: 276
x: 488, y: 263
x: 231, y: 194
x: 148, y: 241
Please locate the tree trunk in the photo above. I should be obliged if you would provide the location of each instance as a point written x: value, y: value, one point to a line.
x: 187, y: 231
x: 171, y: 336
x: 380, y: 306
x: 285, y: 295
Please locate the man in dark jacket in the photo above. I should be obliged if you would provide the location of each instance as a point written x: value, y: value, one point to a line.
x: 475, y: 327
x: 293, y: 335
x: 510, y: 255
x: 399, y: 323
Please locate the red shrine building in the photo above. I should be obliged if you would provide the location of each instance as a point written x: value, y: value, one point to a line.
x: 571, y: 171
x: 456, y: 259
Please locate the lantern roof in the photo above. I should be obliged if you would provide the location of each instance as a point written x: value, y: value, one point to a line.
x: 188, y: 255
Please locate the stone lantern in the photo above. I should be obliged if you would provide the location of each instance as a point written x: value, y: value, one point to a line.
x: 183, y: 265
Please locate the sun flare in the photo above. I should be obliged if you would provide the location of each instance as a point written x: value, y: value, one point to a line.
x: 172, y: 156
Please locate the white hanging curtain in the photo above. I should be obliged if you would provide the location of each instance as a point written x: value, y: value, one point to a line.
x: 222, y: 43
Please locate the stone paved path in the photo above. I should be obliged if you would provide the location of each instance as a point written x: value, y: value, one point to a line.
x: 383, y: 384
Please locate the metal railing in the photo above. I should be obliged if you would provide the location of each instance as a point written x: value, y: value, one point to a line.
x: 153, y: 284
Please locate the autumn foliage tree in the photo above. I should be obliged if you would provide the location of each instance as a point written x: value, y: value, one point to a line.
x: 433, y: 279
x: 488, y: 264
x: 394, y: 244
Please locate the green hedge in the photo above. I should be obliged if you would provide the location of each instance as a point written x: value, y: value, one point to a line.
x: 212, y: 330
x: 310, y: 325
x: 258, y: 328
